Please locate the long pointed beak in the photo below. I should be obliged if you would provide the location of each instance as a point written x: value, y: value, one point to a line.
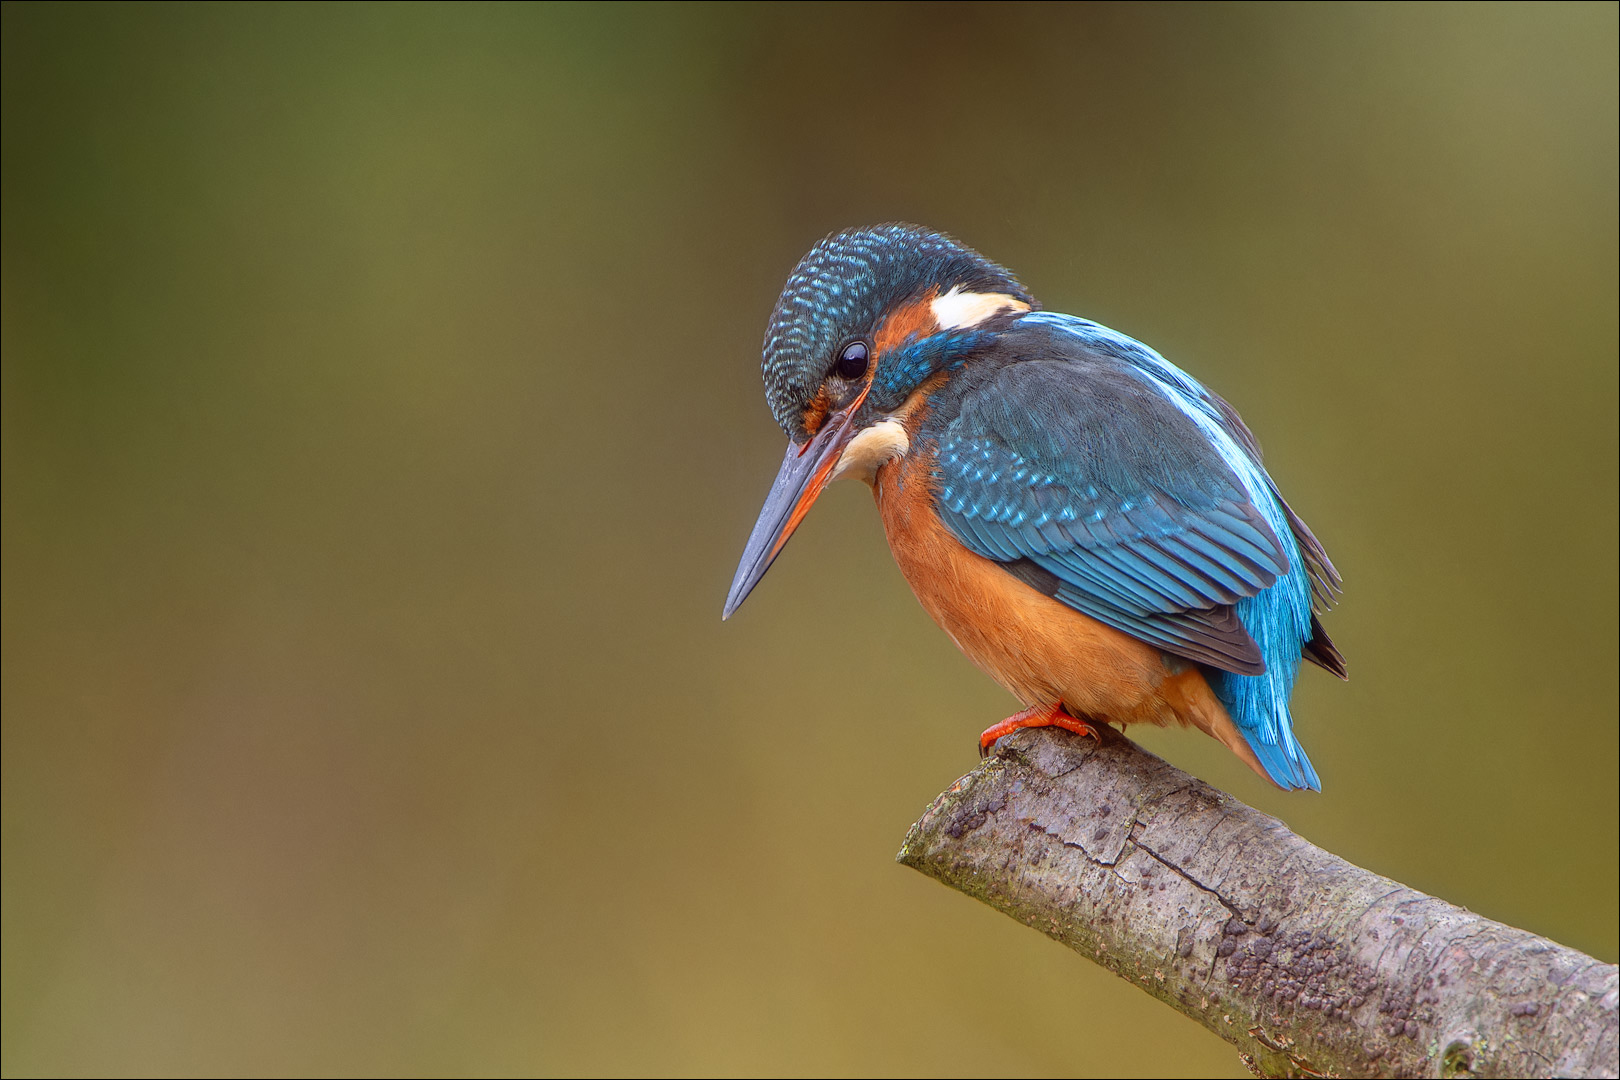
x: 804, y: 473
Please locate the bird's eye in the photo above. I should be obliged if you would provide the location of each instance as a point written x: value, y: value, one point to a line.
x: 852, y: 361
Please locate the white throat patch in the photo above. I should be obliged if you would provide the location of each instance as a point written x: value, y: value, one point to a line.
x: 957, y: 310
x: 873, y: 448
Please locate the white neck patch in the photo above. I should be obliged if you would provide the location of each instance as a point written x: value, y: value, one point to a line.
x: 957, y: 310
x: 873, y: 448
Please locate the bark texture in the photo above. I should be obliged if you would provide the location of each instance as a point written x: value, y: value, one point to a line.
x: 1309, y: 965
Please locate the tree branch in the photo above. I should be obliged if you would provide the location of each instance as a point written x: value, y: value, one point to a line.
x: 1309, y: 965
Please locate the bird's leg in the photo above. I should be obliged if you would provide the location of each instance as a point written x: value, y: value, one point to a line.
x: 1035, y: 716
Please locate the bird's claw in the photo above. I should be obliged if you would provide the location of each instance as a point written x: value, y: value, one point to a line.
x: 1035, y: 716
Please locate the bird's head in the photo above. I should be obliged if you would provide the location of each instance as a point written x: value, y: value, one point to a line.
x: 866, y: 319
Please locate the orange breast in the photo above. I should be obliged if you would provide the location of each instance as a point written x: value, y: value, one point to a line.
x: 1043, y: 651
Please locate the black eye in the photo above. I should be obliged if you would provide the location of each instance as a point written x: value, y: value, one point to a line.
x: 852, y: 361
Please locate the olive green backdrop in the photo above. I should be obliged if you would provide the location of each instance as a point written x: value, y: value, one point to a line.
x: 382, y: 424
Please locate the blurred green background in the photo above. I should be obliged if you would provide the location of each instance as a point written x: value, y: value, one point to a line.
x: 382, y: 425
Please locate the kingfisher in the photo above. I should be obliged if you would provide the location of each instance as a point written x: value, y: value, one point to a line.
x: 1088, y: 523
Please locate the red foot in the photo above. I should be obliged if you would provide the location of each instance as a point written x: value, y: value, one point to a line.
x: 1037, y: 716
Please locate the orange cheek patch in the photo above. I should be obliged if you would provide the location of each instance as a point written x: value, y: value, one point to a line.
x: 916, y: 318
x: 815, y: 413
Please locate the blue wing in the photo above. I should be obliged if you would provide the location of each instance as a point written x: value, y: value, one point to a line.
x: 1099, y: 472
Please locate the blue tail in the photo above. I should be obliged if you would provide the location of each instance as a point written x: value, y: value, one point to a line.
x: 1286, y: 762
x: 1279, y: 621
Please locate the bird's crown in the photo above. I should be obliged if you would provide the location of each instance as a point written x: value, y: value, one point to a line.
x: 842, y: 290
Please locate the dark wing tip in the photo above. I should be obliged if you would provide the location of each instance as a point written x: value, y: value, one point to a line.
x: 1321, y: 651
x: 1222, y: 641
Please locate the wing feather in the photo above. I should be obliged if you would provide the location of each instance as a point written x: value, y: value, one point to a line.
x: 1078, y: 471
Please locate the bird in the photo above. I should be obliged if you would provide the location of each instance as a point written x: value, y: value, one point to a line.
x: 1090, y: 525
